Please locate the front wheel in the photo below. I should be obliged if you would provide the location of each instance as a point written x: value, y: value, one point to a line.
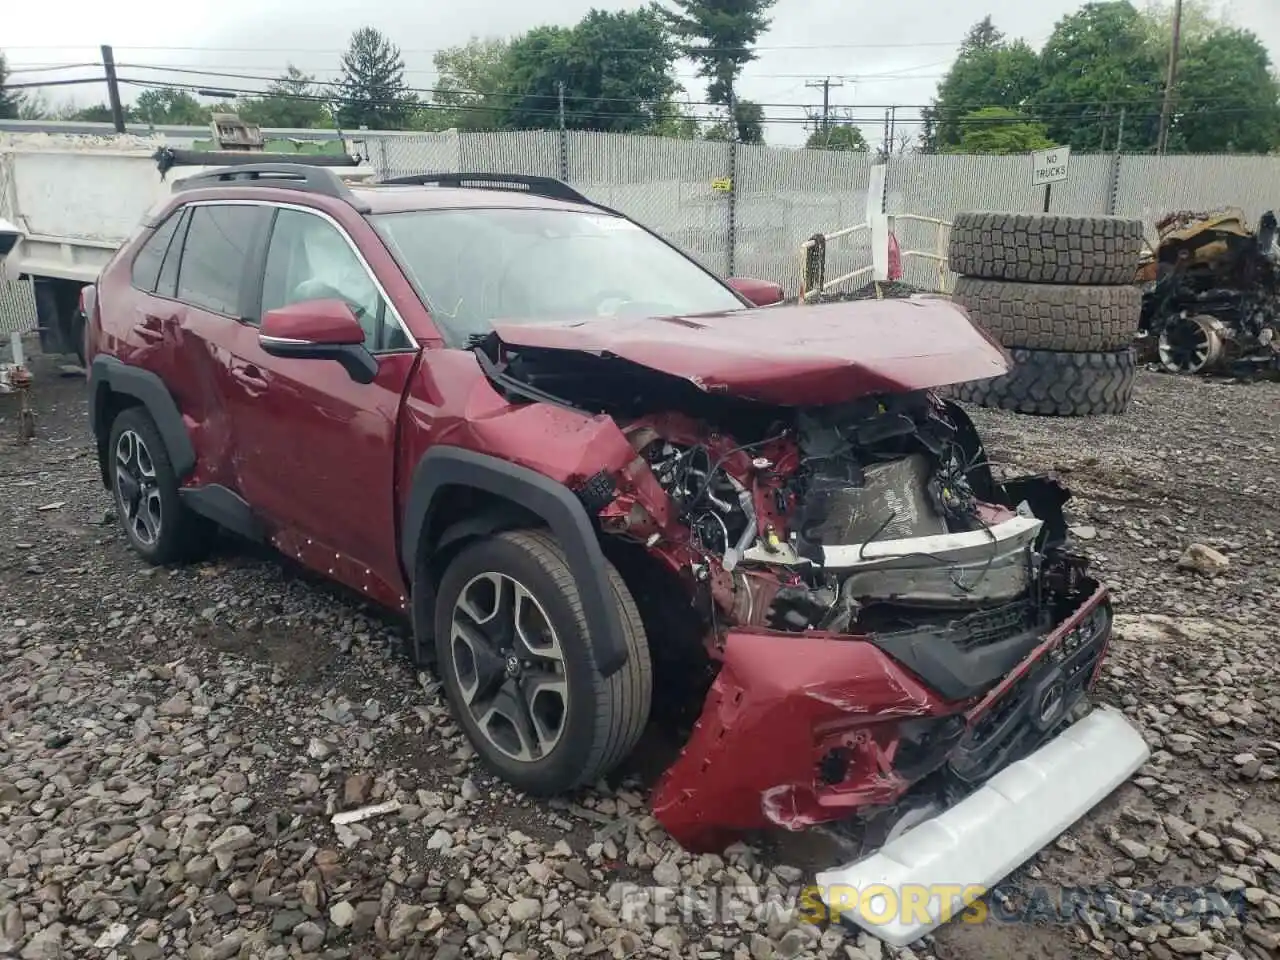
x: 519, y: 669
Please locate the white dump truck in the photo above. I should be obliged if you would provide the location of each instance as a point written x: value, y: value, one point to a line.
x: 67, y: 203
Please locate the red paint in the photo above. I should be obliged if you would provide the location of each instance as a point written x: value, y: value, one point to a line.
x: 792, y: 355
x: 760, y: 292
x: 316, y: 321
x: 779, y: 704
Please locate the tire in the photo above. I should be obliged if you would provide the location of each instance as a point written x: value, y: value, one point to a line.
x: 604, y: 717
x: 1079, y: 319
x: 1056, y: 384
x: 180, y: 535
x: 1043, y: 248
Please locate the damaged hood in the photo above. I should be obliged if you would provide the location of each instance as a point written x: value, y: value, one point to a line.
x: 790, y: 355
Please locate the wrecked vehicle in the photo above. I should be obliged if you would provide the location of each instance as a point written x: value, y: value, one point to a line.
x: 609, y: 487
x: 1211, y: 301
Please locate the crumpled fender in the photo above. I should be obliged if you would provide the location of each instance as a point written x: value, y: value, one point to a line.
x: 778, y: 706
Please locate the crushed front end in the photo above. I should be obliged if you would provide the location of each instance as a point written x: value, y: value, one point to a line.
x: 875, y: 627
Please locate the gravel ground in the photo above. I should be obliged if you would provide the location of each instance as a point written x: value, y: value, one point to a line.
x: 174, y: 742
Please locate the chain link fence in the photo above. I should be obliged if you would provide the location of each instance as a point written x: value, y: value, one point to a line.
x: 17, y: 298
x: 746, y: 209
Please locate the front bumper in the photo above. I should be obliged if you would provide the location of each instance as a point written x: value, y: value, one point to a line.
x: 799, y: 730
x: 930, y: 873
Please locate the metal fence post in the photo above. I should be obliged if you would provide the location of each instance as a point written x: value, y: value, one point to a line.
x: 733, y: 181
x: 384, y: 170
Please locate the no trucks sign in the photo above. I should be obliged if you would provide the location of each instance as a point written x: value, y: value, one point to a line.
x: 1049, y: 166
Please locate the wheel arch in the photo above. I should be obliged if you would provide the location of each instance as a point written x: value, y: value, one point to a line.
x: 500, y: 495
x: 114, y: 386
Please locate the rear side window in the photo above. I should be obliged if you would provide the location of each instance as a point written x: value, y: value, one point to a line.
x: 215, y: 256
x: 146, y: 265
x: 167, y: 285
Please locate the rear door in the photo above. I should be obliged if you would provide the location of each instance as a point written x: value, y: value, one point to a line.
x: 203, y: 295
x: 316, y: 451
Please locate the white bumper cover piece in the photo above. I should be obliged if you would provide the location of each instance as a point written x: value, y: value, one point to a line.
x: 988, y: 835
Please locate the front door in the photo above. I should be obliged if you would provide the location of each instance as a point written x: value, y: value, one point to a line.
x: 315, y: 452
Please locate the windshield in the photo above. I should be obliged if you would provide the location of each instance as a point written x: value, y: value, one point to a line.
x: 474, y: 267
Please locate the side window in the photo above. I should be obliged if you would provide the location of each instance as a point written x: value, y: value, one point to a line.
x: 308, y: 259
x: 146, y: 265
x: 215, y: 256
x: 167, y: 285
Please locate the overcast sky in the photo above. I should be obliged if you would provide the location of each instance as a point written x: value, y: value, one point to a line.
x: 884, y: 52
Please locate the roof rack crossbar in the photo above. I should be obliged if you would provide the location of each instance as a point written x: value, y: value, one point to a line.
x: 519, y: 182
x: 282, y: 176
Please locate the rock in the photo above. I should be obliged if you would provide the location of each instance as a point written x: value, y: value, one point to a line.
x: 1203, y: 560
x: 405, y: 917
x: 666, y: 874
x: 524, y: 910
x: 342, y: 914
x: 355, y: 791
x: 1190, y: 946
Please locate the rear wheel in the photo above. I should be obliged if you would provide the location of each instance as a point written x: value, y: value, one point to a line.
x: 159, y: 526
x: 519, y: 668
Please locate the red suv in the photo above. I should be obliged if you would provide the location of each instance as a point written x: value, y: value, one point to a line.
x: 600, y: 479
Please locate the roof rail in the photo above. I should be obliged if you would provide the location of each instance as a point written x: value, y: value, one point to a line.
x: 283, y: 176
x: 519, y: 182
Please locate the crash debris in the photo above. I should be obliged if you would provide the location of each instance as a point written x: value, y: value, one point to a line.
x: 1211, y: 294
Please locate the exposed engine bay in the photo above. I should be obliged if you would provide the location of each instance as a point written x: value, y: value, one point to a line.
x: 1212, y: 297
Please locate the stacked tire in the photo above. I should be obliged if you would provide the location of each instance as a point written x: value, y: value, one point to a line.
x: 1059, y: 294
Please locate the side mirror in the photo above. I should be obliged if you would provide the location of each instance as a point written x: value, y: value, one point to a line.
x: 760, y: 292
x: 319, y: 330
x: 10, y: 234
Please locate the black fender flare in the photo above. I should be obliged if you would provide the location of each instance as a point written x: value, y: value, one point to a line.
x: 109, y: 375
x: 446, y: 466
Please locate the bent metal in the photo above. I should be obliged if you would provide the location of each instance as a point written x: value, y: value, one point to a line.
x: 654, y: 496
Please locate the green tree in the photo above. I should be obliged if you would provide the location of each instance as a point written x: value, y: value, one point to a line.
x: 373, y: 92
x: 1096, y: 60
x: 471, y: 84
x: 294, y: 101
x: 837, y: 136
x: 718, y: 36
x: 990, y: 71
x: 750, y: 124
x: 997, y: 130
x: 1226, y: 99
x: 166, y: 105
x: 616, y: 70
x: 35, y: 106
x: 676, y: 120
x: 10, y: 99
x: 98, y: 113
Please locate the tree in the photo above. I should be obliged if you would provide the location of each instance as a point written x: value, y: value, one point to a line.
x: 989, y: 71
x: 996, y: 130
x: 292, y: 102
x: 373, y: 92
x: 750, y: 124
x: 1226, y: 99
x: 1096, y: 60
x: 10, y: 99
x: 35, y: 106
x: 718, y: 36
x: 676, y: 120
x: 98, y: 113
x: 616, y: 70
x: 166, y: 105
x: 470, y: 86
x: 837, y: 136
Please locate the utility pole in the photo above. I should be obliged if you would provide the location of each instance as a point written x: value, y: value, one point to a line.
x: 564, y: 133
x: 826, y: 84
x: 113, y: 87
x: 1170, y: 78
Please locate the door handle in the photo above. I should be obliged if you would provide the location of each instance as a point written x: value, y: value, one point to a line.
x: 151, y: 328
x: 250, y: 376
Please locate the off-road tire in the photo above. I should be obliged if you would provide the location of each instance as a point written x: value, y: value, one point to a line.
x: 1057, y: 384
x: 185, y: 536
x: 1034, y: 316
x: 1044, y: 248
x: 605, y: 716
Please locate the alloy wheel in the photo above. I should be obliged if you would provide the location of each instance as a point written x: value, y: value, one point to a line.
x: 137, y: 490
x: 509, y: 665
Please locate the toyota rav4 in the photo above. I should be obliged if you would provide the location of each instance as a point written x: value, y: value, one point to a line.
x: 605, y: 484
